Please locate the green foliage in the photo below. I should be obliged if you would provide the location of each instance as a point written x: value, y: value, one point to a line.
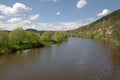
x: 97, y: 36
x: 3, y: 38
x: 4, y: 50
x: 17, y: 36
x: 59, y: 36
x: 18, y: 39
x: 46, y: 38
x: 21, y: 39
x: 72, y: 34
x: 4, y: 42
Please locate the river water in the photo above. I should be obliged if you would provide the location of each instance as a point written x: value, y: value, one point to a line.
x: 75, y: 59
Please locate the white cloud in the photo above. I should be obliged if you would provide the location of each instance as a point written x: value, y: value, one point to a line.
x: 15, y: 20
x: 2, y: 17
x: 12, y: 26
x: 9, y: 26
x: 56, y: 27
x: 71, y: 25
x: 58, y: 13
x: 34, y: 17
x: 17, y: 9
x: 81, y: 3
x: 26, y: 24
x: 19, y: 21
x: 104, y: 12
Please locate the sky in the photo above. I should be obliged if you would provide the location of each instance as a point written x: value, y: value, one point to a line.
x: 53, y: 14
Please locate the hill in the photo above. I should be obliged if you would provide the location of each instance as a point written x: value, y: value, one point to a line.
x: 39, y: 32
x: 36, y: 31
x: 108, y: 27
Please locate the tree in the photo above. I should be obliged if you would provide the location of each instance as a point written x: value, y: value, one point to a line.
x: 3, y: 38
x: 21, y: 39
x: 59, y: 36
x: 46, y: 36
x: 17, y: 36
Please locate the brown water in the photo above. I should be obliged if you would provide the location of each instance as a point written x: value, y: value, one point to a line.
x: 76, y: 59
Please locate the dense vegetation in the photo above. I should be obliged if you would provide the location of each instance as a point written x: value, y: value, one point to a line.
x: 106, y: 28
x: 20, y: 39
x: 59, y: 37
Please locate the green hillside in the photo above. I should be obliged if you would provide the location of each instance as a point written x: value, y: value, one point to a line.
x: 108, y: 27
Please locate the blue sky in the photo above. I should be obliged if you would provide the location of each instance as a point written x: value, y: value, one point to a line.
x: 53, y: 14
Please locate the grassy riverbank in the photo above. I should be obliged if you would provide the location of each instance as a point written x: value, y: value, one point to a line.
x: 20, y: 39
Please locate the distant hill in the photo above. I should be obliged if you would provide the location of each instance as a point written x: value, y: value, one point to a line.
x: 36, y: 31
x: 108, y: 26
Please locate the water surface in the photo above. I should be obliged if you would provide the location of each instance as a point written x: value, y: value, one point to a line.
x: 75, y: 59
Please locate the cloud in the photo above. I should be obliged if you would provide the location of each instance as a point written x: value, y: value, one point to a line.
x: 57, y: 27
x: 14, y: 23
x: 58, y: 13
x: 26, y: 24
x: 104, y: 12
x: 34, y: 17
x: 2, y: 17
x: 15, y: 20
x: 8, y: 26
x: 19, y: 20
x: 81, y: 3
x: 17, y: 9
x: 71, y: 25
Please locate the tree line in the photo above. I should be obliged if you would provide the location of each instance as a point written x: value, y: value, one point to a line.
x: 20, y: 39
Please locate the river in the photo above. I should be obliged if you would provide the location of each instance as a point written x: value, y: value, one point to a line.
x: 75, y: 59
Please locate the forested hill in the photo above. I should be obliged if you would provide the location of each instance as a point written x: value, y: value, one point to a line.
x: 106, y: 27
x: 36, y: 31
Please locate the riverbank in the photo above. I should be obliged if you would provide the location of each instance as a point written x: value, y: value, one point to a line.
x: 111, y: 40
x: 20, y: 39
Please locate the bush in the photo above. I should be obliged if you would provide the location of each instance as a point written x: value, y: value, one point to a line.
x: 59, y: 37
